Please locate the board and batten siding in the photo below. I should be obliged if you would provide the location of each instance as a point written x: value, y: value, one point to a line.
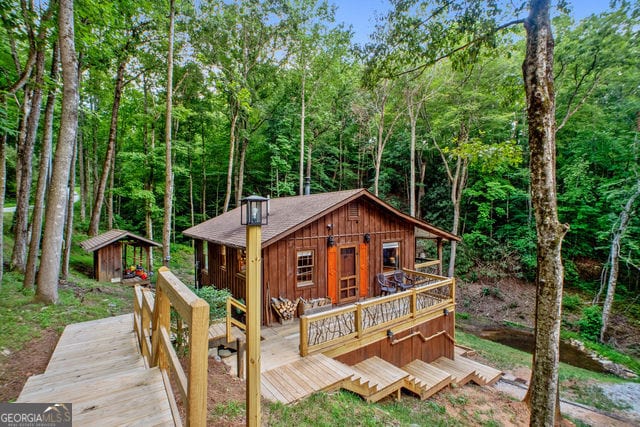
x: 406, y: 351
x: 108, y: 262
x: 279, y: 259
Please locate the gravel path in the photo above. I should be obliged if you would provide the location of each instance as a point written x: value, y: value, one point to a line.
x: 590, y: 416
x: 626, y: 393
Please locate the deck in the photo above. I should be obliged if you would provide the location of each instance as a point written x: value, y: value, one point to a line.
x: 97, y: 367
x: 288, y: 377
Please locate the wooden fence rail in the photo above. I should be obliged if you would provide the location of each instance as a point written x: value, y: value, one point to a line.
x: 234, y: 303
x: 152, y: 323
x: 328, y: 329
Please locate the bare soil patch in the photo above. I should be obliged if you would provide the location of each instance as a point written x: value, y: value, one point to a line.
x: 17, y: 367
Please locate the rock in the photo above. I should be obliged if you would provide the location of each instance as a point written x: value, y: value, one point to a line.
x: 224, y: 353
x: 6, y: 352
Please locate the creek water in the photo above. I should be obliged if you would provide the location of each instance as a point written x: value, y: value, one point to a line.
x: 522, y: 339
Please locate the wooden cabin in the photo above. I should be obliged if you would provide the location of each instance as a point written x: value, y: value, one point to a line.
x: 115, y: 250
x: 314, y: 246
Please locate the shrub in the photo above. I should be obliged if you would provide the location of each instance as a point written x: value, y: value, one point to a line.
x: 571, y: 302
x: 590, y: 323
x: 217, y: 299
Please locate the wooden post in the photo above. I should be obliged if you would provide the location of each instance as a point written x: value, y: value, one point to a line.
x: 440, y: 256
x: 254, y: 263
x: 161, y: 319
x: 304, y: 335
x: 198, y: 363
x: 358, y: 320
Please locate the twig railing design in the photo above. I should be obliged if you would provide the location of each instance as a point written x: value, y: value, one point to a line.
x: 322, y: 330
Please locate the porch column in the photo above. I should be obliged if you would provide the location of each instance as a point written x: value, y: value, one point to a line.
x: 199, y: 260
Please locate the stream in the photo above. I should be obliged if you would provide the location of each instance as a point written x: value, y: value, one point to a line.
x: 522, y: 339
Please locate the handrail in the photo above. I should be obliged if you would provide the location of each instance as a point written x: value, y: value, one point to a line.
x: 234, y: 303
x: 422, y: 337
x: 152, y: 320
x: 320, y: 331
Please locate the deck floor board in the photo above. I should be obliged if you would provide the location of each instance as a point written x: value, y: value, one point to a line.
x: 97, y: 367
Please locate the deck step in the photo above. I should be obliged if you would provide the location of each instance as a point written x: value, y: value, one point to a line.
x: 376, y: 378
x: 425, y: 380
x: 460, y: 373
x: 301, y: 378
x: 464, y: 370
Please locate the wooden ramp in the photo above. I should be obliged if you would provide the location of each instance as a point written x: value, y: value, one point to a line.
x: 464, y: 370
x: 424, y: 379
x: 376, y: 378
x: 291, y: 382
x: 97, y: 367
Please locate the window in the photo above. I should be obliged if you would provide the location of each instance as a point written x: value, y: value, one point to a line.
x: 223, y: 257
x: 242, y: 261
x: 304, y: 271
x: 391, y: 255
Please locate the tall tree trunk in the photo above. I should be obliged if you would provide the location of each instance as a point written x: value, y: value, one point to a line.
x: 458, y: 181
x: 537, y: 71
x: 43, y: 177
x: 94, y: 225
x: 168, y: 193
x: 614, y: 256
x: 413, y: 120
x: 303, y: 113
x: 83, y: 179
x: 24, y: 163
x: 204, y: 175
x: 31, y: 120
x: 235, y: 111
x: 150, y: 148
x: 57, y: 192
x: 3, y: 184
x: 68, y: 228
x: 109, y: 194
x: 191, y: 205
x: 421, y: 188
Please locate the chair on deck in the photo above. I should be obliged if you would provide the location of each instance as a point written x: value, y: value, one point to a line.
x: 402, y: 280
x: 386, y: 287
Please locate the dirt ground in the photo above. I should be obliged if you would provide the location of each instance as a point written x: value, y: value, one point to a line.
x: 16, y: 367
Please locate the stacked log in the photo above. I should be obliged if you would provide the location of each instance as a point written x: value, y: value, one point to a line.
x: 284, y: 307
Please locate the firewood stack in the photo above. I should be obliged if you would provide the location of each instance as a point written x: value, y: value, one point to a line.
x: 284, y: 307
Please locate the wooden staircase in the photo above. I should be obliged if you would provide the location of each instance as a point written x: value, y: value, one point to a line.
x: 301, y: 378
x: 97, y: 367
x: 424, y: 379
x: 375, y: 378
x: 464, y: 370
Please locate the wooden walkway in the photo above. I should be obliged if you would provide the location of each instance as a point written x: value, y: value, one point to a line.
x: 97, y: 367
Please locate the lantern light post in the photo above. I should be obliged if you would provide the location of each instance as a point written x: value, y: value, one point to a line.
x: 254, y: 214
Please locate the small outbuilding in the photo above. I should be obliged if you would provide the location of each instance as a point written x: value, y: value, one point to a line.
x: 114, y: 250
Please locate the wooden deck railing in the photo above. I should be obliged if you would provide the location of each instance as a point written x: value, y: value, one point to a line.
x: 234, y: 303
x: 430, y: 267
x: 331, y: 328
x: 152, y: 323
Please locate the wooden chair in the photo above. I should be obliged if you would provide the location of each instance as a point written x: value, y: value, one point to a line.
x: 385, y: 286
x: 402, y: 280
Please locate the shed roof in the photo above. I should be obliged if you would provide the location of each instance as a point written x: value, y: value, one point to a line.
x: 288, y: 214
x: 106, y: 238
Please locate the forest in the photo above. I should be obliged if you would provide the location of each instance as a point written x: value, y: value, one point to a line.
x: 184, y: 108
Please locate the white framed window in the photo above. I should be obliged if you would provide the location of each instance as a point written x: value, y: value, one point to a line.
x: 305, y: 266
x: 391, y: 256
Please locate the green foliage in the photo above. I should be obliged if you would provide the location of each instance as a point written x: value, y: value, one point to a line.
x: 591, y: 322
x: 571, y: 303
x: 23, y: 319
x: 217, y: 299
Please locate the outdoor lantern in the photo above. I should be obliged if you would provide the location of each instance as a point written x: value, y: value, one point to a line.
x: 330, y: 241
x: 367, y: 238
x: 254, y: 211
